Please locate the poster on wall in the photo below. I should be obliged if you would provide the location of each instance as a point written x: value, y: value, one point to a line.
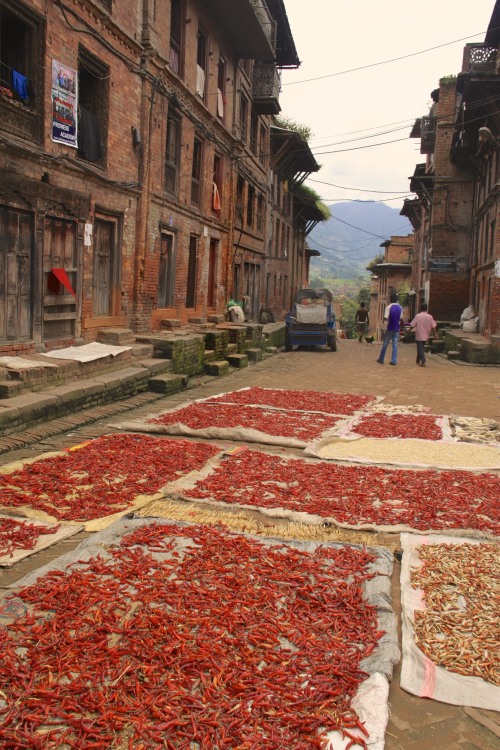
x: 64, y: 105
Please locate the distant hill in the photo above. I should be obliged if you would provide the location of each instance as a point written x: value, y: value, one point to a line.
x: 352, y: 237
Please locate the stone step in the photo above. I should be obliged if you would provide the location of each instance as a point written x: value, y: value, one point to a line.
x: 254, y: 354
x: 167, y: 384
x: 217, y: 369
x: 142, y: 350
x: 11, y: 388
x: 238, y: 360
x: 209, y: 355
x: 157, y: 366
x: 115, y: 336
x: 453, y: 355
x: 31, y: 408
x: 437, y: 346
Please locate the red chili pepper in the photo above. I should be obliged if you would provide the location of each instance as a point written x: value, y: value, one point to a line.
x: 232, y: 644
x: 354, y: 495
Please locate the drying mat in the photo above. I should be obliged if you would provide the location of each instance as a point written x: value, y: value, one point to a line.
x: 381, y: 424
x: 475, y: 429
x: 21, y: 537
x: 251, y: 424
x: 407, y: 452
x: 350, y: 496
x: 289, y: 400
x: 245, y: 522
x: 86, y: 352
x: 101, y: 480
x: 419, y: 674
x: 193, y: 624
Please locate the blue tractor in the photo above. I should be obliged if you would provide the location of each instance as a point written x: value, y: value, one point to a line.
x: 311, y: 321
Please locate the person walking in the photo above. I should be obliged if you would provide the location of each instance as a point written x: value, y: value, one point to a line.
x: 393, y: 315
x: 424, y: 324
x: 362, y: 321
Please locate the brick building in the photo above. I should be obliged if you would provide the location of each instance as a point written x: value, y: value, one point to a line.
x: 391, y: 274
x: 135, y: 163
x: 441, y: 213
x: 456, y: 212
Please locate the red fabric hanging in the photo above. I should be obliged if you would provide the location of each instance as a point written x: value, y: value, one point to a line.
x: 63, y: 278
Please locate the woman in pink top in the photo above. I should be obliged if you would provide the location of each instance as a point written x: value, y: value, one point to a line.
x: 424, y: 324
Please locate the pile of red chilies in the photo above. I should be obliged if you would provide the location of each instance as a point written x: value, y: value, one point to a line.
x: 422, y: 426
x: 271, y: 422
x: 20, y: 535
x: 357, y: 494
x: 103, y: 476
x: 328, y: 403
x: 190, y: 637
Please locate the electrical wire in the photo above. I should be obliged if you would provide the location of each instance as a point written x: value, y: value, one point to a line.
x: 384, y: 62
x: 361, y: 190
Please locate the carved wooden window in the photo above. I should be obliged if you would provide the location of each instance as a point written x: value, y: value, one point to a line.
x: 196, y: 171
x: 172, y: 153
x: 176, y: 16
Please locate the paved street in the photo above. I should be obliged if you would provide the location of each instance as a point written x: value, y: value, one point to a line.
x: 446, y: 388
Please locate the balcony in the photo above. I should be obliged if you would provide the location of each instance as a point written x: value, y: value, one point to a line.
x: 427, y: 135
x: 266, y: 89
x: 479, y: 59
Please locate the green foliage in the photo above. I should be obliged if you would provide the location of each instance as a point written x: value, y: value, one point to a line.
x: 376, y: 260
x: 364, y: 296
x: 288, y: 123
x: 349, y: 308
x: 318, y: 283
x: 308, y: 192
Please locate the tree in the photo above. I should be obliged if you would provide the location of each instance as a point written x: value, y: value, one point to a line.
x: 317, y: 283
x: 364, y: 296
x: 349, y: 308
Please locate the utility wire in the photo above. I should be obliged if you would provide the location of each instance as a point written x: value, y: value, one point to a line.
x: 384, y: 62
x: 361, y: 190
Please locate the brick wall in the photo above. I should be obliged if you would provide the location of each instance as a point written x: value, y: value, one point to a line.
x: 449, y: 294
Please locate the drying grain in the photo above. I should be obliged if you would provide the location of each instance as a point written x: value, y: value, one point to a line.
x: 413, y: 453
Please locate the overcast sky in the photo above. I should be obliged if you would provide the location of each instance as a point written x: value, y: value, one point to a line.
x: 342, y: 108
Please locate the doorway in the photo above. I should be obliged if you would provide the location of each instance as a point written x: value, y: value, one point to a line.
x: 16, y: 269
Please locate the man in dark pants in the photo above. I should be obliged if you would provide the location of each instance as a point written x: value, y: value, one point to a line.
x: 362, y: 321
x: 393, y: 315
x: 424, y: 324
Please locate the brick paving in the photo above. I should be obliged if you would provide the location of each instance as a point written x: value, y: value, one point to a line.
x: 444, y: 386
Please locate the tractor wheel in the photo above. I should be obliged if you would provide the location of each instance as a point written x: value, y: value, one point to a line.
x: 333, y: 344
x: 288, y: 346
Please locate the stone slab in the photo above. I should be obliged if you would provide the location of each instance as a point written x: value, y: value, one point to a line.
x: 238, y: 360
x: 171, y: 383
x: 254, y: 354
x: 217, y: 368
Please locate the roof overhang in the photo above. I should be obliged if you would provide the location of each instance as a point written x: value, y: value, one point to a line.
x: 493, y: 34
x: 286, y: 54
x: 290, y: 153
x: 251, y: 34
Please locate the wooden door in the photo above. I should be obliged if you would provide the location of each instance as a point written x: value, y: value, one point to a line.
x: 104, y: 250
x: 191, y: 275
x: 16, y: 253
x: 212, y: 274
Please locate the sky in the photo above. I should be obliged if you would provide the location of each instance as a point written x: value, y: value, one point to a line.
x: 345, y: 110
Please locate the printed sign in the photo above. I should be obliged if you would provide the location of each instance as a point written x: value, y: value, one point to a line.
x: 447, y: 264
x: 64, y: 105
